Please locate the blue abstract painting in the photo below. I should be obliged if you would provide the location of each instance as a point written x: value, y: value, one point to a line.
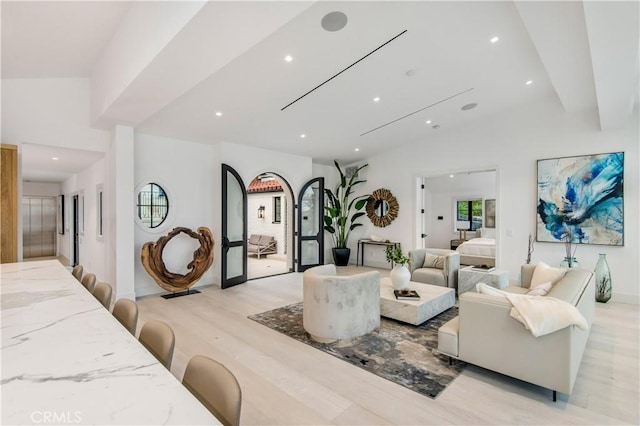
x: 583, y: 196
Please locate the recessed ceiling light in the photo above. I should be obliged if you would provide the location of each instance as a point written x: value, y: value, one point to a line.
x: 218, y: 114
x: 376, y: 99
x: 55, y: 158
x: 450, y: 176
x: 428, y: 121
x: 529, y: 82
x: 357, y: 149
x: 467, y: 107
x: 303, y: 136
x: 288, y: 58
x: 494, y: 39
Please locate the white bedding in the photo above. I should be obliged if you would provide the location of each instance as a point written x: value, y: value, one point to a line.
x: 478, y: 247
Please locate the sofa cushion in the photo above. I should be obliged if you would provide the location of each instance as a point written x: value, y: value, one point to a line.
x: 448, y: 337
x: 545, y: 273
x: 516, y: 289
x: 569, y: 288
x: 265, y: 240
x: 433, y: 261
x: 254, y: 239
x: 540, y: 289
x: 429, y: 276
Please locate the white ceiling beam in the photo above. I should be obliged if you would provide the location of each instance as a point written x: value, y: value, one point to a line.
x: 145, y: 30
x: 614, y: 32
x: 559, y: 33
x: 200, y: 41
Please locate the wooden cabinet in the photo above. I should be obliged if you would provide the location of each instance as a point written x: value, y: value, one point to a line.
x: 9, y: 204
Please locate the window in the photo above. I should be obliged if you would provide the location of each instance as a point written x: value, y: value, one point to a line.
x: 153, y: 205
x: 277, y: 209
x: 463, y: 207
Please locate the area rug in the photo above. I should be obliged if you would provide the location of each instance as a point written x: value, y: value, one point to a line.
x: 402, y: 353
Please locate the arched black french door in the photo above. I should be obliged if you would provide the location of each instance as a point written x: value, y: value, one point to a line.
x: 234, y: 228
x: 310, y: 224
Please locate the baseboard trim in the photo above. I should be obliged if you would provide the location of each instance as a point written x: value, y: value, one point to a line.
x: 629, y: 299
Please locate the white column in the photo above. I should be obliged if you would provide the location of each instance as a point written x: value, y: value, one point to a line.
x: 120, y: 253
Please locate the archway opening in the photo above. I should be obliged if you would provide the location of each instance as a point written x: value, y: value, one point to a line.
x: 270, y: 226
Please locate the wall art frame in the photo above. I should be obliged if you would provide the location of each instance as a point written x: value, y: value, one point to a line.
x: 581, y: 195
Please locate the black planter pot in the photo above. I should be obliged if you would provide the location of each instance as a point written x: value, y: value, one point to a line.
x: 341, y: 256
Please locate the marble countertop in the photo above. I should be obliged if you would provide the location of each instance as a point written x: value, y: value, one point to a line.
x: 66, y: 360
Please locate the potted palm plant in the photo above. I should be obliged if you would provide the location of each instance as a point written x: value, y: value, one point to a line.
x: 342, y: 212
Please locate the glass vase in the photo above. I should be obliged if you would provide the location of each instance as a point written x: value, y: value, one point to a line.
x: 573, y: 264
x: 603, y: 279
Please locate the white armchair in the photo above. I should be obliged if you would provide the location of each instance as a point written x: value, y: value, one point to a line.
x: 340, y: 307
x: 444, y: 273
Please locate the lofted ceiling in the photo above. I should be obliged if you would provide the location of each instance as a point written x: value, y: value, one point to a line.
x: 424, y: 60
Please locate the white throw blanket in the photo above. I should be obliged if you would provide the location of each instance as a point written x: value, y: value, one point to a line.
x: 540, y: 315
x: 544, y: 315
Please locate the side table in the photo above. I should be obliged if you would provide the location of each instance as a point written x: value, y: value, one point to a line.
x: 468, y: 278
x: 456, y: 243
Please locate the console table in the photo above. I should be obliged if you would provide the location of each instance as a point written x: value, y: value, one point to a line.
x: 366, y: 241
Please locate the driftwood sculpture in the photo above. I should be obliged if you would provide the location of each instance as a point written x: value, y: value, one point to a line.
x: 202, y: 259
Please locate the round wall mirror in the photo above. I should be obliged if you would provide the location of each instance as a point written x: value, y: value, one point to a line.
x: 382, y: 207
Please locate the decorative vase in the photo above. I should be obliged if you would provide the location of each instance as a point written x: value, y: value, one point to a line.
x: 570, y: 265
x: 341, y: 256
x: 400, y: 277
x: 603, y: 279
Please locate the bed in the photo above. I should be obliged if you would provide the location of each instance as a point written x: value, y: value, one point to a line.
x: 480, y: 250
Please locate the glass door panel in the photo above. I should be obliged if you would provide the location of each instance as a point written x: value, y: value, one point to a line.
x: 234, y: 228
x: 310, y: 221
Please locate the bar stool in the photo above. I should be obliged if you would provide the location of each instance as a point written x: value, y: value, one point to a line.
x: 102, y: 292
x: 77, y: 272
x: 89, y: 281
x: 215, y: 387
x: 126, y: 311
x: 159, y: 339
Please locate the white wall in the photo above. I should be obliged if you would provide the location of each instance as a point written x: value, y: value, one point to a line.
x: 186, y: 171
x: 92, y: 249
x: 512, y: 142
x: 49, y: 112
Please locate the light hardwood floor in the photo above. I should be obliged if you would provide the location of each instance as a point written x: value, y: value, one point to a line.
x: 285, y: 382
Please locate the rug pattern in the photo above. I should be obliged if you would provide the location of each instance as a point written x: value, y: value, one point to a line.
x: 399, y: 352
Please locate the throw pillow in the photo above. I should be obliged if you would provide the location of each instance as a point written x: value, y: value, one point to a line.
x: 433, y: 261
x: 544, y: 273
x: 540, y: 289
x: 487, y: 289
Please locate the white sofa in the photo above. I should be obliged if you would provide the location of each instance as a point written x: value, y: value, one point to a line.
x: 484, y: 334
x: 339, y: 307
x: 447, y: 276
